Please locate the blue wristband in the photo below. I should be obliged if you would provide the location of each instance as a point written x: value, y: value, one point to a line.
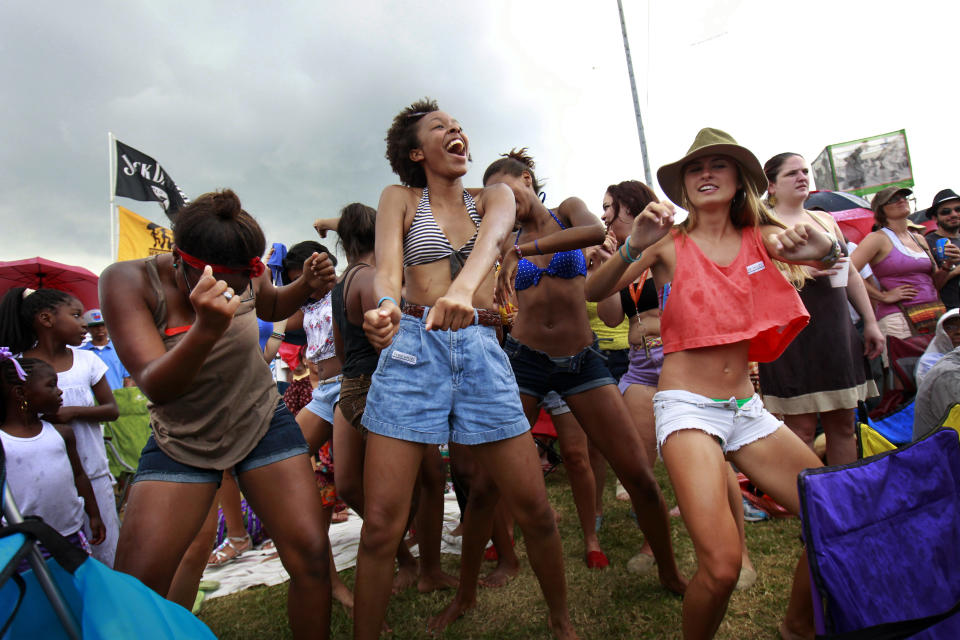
x: 626, y: 258
x: 380, y: 301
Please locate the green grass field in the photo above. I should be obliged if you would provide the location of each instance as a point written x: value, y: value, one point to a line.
x: 604, y: 604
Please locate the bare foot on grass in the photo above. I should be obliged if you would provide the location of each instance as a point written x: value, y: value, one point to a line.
x: 672, y: 582
x: 406, y: 577
x: 453, y: 611
x: 500, y: 576
x: 436, y: 581
x: 562, y: 630
x: 787, y: 634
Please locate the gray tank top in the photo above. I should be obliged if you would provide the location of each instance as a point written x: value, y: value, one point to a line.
x: 229, y: 406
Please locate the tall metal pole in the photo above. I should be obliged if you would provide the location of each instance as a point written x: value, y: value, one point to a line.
x: 636, y: 101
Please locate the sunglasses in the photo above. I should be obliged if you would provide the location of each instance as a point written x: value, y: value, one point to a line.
x: 897, y: 199
x: 948, y: 210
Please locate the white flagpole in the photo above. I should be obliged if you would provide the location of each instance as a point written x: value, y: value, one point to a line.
x: 111, y: 154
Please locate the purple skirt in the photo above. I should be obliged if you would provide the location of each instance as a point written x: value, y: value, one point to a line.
x: 643, y: 369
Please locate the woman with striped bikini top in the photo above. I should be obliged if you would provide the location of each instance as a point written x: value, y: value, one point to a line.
x: 426, y: 242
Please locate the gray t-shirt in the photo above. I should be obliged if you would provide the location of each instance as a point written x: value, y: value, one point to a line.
x: 939, y: 389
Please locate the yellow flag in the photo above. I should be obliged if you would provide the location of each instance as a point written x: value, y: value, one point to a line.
x: 140, y: 238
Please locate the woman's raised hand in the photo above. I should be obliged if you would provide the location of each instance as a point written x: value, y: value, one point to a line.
x: 653, y: 223
x: 319, y: 272
x: 214, y: 301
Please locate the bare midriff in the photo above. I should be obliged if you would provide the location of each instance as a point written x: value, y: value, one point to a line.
x: 715, y: 372
x: 425, y: 283
x: 553, y: 317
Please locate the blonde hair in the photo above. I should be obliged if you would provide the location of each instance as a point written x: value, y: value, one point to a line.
x: 746, y: 210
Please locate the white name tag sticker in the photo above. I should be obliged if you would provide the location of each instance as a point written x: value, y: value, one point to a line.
x: 756, y: 266
x: 404, y: 357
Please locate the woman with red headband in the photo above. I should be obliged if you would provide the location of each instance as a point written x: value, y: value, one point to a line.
x: 185, y: 327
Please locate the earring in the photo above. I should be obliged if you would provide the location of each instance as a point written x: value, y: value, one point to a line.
x: 772, y: 199
x: 23, y: 406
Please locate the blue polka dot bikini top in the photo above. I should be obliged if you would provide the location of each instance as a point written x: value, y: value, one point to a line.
x: 563, y: 264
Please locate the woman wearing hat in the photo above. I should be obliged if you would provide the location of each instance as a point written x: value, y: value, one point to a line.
x: 724, y: 302
x: 822, y: 375
x: 907, y: 301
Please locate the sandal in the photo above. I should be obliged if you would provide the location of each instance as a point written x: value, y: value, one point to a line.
x: 228, y: 550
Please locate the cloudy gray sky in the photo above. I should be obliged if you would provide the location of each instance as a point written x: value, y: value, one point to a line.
x: 288, y: 104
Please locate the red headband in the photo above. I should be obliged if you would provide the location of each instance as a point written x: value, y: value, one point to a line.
x: 253, y: 269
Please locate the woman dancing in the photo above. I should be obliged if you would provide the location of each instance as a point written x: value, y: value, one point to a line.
x: 552, y: 346
x: 190, y: 341
x: 442, y: 375
x: 724, y: 303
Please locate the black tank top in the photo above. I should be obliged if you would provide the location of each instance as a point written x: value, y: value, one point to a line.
x: 359, y: 357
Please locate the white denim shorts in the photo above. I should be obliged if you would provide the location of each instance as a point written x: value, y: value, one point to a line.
x: 733, y: 426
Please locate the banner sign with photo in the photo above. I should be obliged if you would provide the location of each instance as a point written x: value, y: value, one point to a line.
x: 142, y: 178
x: 866, y: 165
x: 140, y: 238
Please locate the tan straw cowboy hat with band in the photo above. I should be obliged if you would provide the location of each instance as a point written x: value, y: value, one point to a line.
x: 707, y: 143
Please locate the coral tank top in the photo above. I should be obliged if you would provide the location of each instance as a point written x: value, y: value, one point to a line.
x: 749, y: 299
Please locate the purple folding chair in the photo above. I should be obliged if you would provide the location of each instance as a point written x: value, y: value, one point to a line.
x: 883, y: 542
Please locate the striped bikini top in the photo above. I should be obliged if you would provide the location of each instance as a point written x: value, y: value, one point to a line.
x: 425, y: 241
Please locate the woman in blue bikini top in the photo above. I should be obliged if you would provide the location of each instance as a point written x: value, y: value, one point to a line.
x: 552, y: 347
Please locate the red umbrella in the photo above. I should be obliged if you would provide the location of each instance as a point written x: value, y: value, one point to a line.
x: 39, y: 273
x: 854, y: 223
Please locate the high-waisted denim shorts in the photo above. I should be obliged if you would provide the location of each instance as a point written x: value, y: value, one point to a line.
x: 281, y: 441
x: 537, y: 373
x: 440, y: 386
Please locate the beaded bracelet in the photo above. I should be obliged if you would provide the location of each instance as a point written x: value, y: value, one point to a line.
x: 516, y: 248
x: 626, y: 258
x: 833, y: 255
x: 380, y: 301
x: 278, y: 336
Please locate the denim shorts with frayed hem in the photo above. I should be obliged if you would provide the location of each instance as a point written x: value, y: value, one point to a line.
x: 281, y: 441
x: 537, y: 373
x: 733, y: 426
x: 444, y: 386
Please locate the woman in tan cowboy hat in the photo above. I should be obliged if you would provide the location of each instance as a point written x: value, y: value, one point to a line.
x: 724, y: 302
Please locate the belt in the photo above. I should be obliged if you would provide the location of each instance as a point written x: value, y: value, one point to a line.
x: 485, y: 317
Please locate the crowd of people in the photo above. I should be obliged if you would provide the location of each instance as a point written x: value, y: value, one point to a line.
x: 460, y: 315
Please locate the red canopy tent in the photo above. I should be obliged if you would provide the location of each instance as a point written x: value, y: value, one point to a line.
x: 40, y: 273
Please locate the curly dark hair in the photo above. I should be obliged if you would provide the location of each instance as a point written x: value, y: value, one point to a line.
x: 632, y: 195
x: 216, y: 229
x: 17, y: 314
x: 357, y: 229
x: 9, y: 377
x: 514, y: 163
x: 402, y: 138
x: 297, y: 255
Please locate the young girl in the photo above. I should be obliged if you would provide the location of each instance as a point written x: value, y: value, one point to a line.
x: 190, y: 341
x: 724, y: 303
x: 44, y: 471
x: 44, y: 324
x: 442, y: 375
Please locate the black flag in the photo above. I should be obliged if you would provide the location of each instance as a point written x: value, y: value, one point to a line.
x: 140, y: 177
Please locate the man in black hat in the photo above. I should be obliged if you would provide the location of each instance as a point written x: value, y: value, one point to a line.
x: 946, y: 210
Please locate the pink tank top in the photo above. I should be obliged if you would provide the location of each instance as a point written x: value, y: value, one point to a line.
x: 899, y: 268
x: 749, y: 299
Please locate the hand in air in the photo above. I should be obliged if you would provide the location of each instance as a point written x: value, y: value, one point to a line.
x: 801, y: 243
x: 98, y: 532
x: 214, y: 301
x: 452, y: 311
x: 382, y: 324
x: 319, y: 272
x: 653, y: 223
x: 321, y: 227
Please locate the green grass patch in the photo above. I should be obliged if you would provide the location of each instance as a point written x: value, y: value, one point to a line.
x: 604, y: 605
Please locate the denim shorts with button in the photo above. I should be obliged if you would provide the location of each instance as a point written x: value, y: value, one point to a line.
x: 325, y: 398
x: 537, y: 373
x: 281, y: 441
x: 436, y: 387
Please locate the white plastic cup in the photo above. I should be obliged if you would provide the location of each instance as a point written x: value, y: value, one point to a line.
x: 842, y: 268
